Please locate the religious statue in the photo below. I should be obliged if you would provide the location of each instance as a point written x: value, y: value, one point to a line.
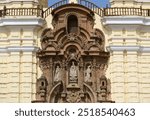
x: 57, y: 73
x: 88, y: 74
x: 73, y: 72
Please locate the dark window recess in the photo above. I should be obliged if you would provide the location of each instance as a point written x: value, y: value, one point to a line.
x: 42, y: 83
x: 103, y: 83
x: 72, y: 24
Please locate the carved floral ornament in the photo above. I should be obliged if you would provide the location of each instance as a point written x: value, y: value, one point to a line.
x: 44, y: 64
x: 73, y: 97
x: 72, y: 36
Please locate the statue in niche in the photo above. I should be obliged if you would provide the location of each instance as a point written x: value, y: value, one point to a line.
x: 57, y: 73
x: 73, y: 72
x: 88, y: 74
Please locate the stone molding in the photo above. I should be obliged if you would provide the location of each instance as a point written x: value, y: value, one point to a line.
x: 126, y: 20
x: 19, y: 49
x: 9, y: 1
x: 128, y: 48
x: 28, y: 21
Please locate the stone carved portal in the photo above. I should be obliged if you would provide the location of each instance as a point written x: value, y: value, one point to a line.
x: 72, y: 59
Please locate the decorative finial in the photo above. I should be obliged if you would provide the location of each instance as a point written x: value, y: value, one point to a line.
x: 73, y: 1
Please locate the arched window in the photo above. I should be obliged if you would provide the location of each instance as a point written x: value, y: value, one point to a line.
x: 72, y: 24
x: 103, y: 83
x: 42, y: 83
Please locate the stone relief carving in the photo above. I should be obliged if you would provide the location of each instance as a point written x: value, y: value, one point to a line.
x: 73, y: 97
x: 72, y: 36
x: 72, y: 55
x: 47, y: 34
x: 44, y: 64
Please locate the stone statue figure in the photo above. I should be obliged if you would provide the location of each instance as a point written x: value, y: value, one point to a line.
x: 88, y: 73
x: 57, y: 73
x: 73, y: 72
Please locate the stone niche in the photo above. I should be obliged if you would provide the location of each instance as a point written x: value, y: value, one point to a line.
x: 72, y: 59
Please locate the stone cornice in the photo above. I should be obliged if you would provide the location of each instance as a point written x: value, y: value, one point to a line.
x: 129, y: 38
x: 9, y: 1
x: 18, y: 49
x: 128, y: 48
x: 16, y: 39
x: 28, y: 21
x: 126, y: 20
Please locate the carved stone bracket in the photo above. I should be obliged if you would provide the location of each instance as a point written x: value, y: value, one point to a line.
x: 74, y: 96
x: 44, y: 64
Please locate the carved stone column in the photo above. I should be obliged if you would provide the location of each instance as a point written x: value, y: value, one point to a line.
x: 64, y: 78
x: 50, y: 74
x: 81, y: 77
x: 94, y: 75
x: 98, y: 78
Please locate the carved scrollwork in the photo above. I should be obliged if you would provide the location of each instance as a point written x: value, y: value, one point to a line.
x: 92, y: 45
x: 44, y: 64
x: 73, y: 39
x: 47, y: 34
x: 97, y: 40
x: 52, y: 44
x: 72, y: 36
x: 73, y: 97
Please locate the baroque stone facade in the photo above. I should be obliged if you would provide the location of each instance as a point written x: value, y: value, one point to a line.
x: 73, y: 59
x: 104, y: 52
